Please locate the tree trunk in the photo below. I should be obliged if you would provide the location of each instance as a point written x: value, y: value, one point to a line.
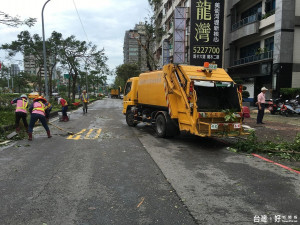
x: 74, y: 87
x: 39, y: 74
x: 69, y: 89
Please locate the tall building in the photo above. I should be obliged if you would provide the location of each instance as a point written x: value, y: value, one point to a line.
x: 31, y: 65
x: 14, y: 69
x: 262, y: 44
x: 133, y: 46
x: 261, y: 39
x: 164, y: 18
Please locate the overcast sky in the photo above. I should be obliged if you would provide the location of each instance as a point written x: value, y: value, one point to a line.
x: 105, y: 21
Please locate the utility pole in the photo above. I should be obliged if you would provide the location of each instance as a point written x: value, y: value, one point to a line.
x: 44, y: 53
x: 86, y: 79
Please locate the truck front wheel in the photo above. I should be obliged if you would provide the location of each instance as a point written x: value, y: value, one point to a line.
x: 130, y: 118
x: 161, y: 126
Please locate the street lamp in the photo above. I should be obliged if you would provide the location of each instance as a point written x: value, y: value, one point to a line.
x: 44, y: 53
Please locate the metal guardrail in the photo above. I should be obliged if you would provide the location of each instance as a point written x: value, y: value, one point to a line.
x: 253, y: 58
x: 245, y: 21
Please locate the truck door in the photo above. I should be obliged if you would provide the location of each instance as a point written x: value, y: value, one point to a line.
x: 127, y: 95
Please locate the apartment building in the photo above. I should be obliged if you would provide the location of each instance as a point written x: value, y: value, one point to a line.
x: 133, y: 46
x: 262, y: 44
x: 31, y: 65
x: 14, y: 69
x: 164, y: 18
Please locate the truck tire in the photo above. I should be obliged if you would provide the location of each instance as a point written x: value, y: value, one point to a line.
x: 161, y: 126
x: 130, y: 118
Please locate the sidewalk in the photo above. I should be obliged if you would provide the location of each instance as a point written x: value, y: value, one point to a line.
x: 276, y: 126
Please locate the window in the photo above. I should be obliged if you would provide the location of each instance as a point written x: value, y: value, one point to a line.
x: 270, y: 6
x: 252, y: 11
x: 249, y: 50
x: 269, y: 44
x: 128, y: 88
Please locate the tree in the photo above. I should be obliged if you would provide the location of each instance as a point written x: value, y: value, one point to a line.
x: 21, y: 81
x: 53, y: 47
x: 124, y: 72
x: 96, y: 79
x: 78, y: 57
x: 152, y: 32
x: 31, y: 46
x: 15, y: 21
x: 81, y: 57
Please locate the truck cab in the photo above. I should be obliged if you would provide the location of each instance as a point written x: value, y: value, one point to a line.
x: 130, y: 94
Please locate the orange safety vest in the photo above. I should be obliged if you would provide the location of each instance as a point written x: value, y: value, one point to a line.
x: 41, y: 108
x: 24, y: 105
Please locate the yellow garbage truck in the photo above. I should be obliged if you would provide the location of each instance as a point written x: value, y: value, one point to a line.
x: 115, y: 93
x: 203, y: 101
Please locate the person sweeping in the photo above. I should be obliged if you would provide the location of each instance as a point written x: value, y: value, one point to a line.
x: 37, y: 110
x: 21, y: 111
x: 64, y: 109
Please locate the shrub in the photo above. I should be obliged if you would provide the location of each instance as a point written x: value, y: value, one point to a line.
x: 5, y: 100
x: 289, y: 93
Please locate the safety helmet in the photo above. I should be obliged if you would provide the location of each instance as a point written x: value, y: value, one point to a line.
x: 24, y: 96
x: 40, y: 98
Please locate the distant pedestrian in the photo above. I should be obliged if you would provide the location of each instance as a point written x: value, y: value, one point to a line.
x: 64, y: 109
x: 261, y: 100
x: 84, y: 97
x: 37, y: 110
x: 21, y: 112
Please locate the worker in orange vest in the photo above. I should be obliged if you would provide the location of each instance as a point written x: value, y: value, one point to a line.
x: 64, y: 109
x: 37, y: 110
x: 21, y: 111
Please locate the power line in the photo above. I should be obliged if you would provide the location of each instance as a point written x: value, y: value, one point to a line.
x: 80, y: 21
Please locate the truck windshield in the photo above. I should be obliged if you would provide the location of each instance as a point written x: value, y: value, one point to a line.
x: 217, y: 97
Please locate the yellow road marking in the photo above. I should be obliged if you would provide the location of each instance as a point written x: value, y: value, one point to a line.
x: 88, y: 134
x: 98, y: 134
x: 80, y: 135
x: 77, y: 135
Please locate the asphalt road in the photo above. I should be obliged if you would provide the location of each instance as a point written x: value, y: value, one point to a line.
x: 102, y: 176
x: 114, y: 174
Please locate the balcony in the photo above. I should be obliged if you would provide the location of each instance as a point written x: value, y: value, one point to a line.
x: 245, y: 21
x: 254, y: 58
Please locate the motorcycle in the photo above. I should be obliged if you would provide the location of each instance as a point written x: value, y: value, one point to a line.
x: 275, y: 106
x: 291, y: 107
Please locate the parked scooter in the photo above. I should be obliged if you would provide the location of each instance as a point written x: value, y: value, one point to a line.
x: 275, y: 106
x: 291, y: 107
